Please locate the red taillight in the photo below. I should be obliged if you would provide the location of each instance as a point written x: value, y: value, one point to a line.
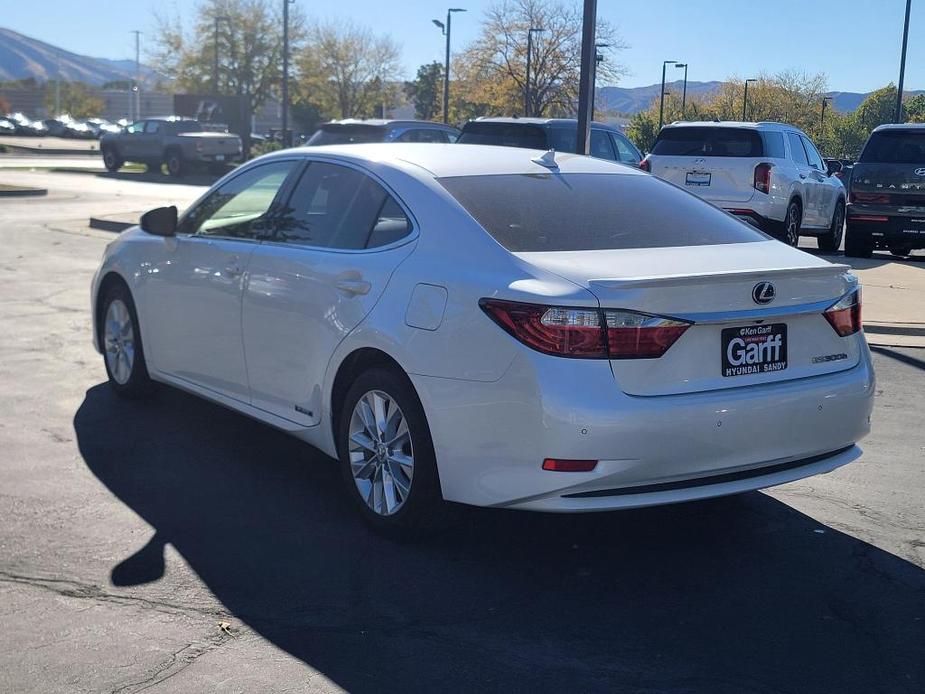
x: 763, y: 178
x: 645, y: 165
x: 869, y: 218
x: 877, y: 198
x: 586, y: 333
x: 845, y: 315
x: 559, y: 465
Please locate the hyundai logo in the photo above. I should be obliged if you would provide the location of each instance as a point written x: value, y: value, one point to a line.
x: 920, y: 172
x: 763, y: 293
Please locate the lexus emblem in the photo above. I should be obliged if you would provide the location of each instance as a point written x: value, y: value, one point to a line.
x: 920, y: 172
x: 763, y: 293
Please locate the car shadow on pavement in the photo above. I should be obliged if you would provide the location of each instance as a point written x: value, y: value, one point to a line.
x: 737, y: 595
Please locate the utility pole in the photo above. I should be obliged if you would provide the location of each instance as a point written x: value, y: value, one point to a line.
x: 58, y: 87
x: 287, y: 140
x: 218, y: 18
x: 137, y: 89
x: 445, y: 28
x: 530, y: 32
x: 586, y: 77
x: 898, y: 113
x: 825, y: 100
x: 745, y: 99
x: 684, y: 91
x: 661, y: 101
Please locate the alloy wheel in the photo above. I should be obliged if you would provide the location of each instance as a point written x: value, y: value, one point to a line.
x: 119, y: 341
x: 793, y: 226
x: 380, y: 452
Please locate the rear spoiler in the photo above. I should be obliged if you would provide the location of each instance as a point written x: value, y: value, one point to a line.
x: 687, y: 278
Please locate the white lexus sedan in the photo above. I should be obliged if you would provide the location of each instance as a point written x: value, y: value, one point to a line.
x: 493, y: 326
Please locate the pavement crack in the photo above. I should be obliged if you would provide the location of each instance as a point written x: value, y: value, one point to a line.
x: 174, y: 664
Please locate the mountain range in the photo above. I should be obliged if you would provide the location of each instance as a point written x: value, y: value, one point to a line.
x: 22, y: 57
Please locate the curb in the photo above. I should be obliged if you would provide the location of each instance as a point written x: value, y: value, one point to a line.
x: 52, y: 151
x: 109, y: 224
x: 23, y: 192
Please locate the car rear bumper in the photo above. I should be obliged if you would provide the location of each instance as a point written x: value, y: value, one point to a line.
x: 491, y: 438
x: 886, y: 228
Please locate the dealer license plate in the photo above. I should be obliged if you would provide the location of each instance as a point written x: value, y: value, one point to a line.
x: 754, y: 349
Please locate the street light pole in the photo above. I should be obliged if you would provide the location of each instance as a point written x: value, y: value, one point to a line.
x: 684, y: 91
x: 898, y: 113
x: 661, y: 101
x: 825, y: 100
x: 598, y: 59
x: 745, y: 99
x: 218, y: 18
x: 530, y: 32
x: 586, y: 76
x: 446, y: 68
x: 137, y: 72
x: 287, y: 140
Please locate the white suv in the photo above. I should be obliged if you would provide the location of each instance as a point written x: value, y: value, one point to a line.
x: 770, y: 174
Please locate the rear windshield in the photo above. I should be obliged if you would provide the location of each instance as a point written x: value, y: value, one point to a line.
x: 586, y: 212
x: 336, y: 134
x: 895, y: 147
x: 505, y: 135
x: 717, y: 142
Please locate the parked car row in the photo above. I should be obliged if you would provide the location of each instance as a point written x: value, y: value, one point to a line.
x: 62, y: 126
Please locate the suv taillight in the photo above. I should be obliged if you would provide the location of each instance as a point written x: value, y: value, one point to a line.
x: 845, y: 315
x: 586, y: 333
x: 645, y: 165
x: 877, y: 198
x: 762, y: 180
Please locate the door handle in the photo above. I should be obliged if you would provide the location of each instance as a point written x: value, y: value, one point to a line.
x: 232, y: 269
x: 353, y: 287
x: 802, y: 175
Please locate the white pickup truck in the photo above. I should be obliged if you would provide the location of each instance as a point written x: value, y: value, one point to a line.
x: 178, y: 143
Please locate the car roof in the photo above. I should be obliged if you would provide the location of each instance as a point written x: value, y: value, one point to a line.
x: 751, y: 125
x: 444, y: 160
x: 385, y: 122
x: 553, y: 122
x: 900, y: 126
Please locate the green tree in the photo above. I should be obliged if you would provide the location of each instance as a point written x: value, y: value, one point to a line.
x: 348, y: 72
x: 426, y: 91
x: 877, y: 108
x: 74, y: 99
x: 914, y: 108
x: 249, y: 48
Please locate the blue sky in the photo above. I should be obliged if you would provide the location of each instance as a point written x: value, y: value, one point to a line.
x: 855, y: 42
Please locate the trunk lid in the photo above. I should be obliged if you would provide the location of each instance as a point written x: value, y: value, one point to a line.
x: 712, y: 287
x: 214, y: 143
x: 901, y: 182
x: 718, y: 179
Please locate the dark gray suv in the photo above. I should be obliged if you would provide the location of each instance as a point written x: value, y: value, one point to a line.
x: 607, y: 142
x: 350, y: 131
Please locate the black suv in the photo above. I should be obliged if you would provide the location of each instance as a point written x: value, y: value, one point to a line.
x: 886, y: 207
x: 560, y: 134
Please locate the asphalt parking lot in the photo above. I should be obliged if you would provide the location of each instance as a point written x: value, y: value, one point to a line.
x: 175, y: 546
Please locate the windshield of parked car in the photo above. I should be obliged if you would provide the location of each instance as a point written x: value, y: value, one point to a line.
x: 895, y: 147
x: 337, y: 134
x: 712, y: 142
x: 583, y: 212
x: 504, y: 135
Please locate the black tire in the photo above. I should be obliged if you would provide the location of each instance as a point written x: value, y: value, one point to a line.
x: 137, y: 383
x: 422, y: 511
x: 111, y: 159
x: 791, y: 225
x: 176, y: 167
x: 856, y: 245
x: 901, y: 252
x: 831, y: 241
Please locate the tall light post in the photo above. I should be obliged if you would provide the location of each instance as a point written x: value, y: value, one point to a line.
x: 683, y: 91
x: 287, y: 139
x: 586, y: 77
x: 898, y: 113
x: 825, y: 100
x: 446, y: 68
x: 745, y: 99
x: 530, y: 32
x: 598, y: 59
x: 218, y: 18
x: 661, y: 100
x: 137, y: 72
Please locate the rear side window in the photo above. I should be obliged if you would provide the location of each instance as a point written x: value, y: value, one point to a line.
x: 584, y: 212
x: 338, y: 207
x: 709, y: 142
x: 797, y: 153
x: 773, y: 144
x: 895, y: 147
x: 504, y: 134
x: 601, y: 146
x: 423, y: 135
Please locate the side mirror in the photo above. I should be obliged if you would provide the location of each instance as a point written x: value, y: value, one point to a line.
x: 161, y: 221
x: 833, y: 166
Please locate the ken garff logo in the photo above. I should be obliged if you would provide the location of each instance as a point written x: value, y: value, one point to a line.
x: 920, y: 172
x: 763, y: 293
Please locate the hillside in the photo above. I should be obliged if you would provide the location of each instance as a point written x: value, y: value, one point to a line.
x: 22, y: 57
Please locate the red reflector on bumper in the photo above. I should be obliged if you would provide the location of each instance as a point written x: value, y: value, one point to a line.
x: 558, y: 465
x: 868, y: 218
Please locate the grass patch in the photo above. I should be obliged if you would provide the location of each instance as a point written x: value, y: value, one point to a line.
x: 7, y: 186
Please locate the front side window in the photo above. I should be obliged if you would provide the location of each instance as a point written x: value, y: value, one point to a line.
x: 338, y: 207
x: 797, y: 153
x: 601, y: 146
x: 626, y: 153
x: 231, y: 210
x: 812, y: 154
x: 582, y: 212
